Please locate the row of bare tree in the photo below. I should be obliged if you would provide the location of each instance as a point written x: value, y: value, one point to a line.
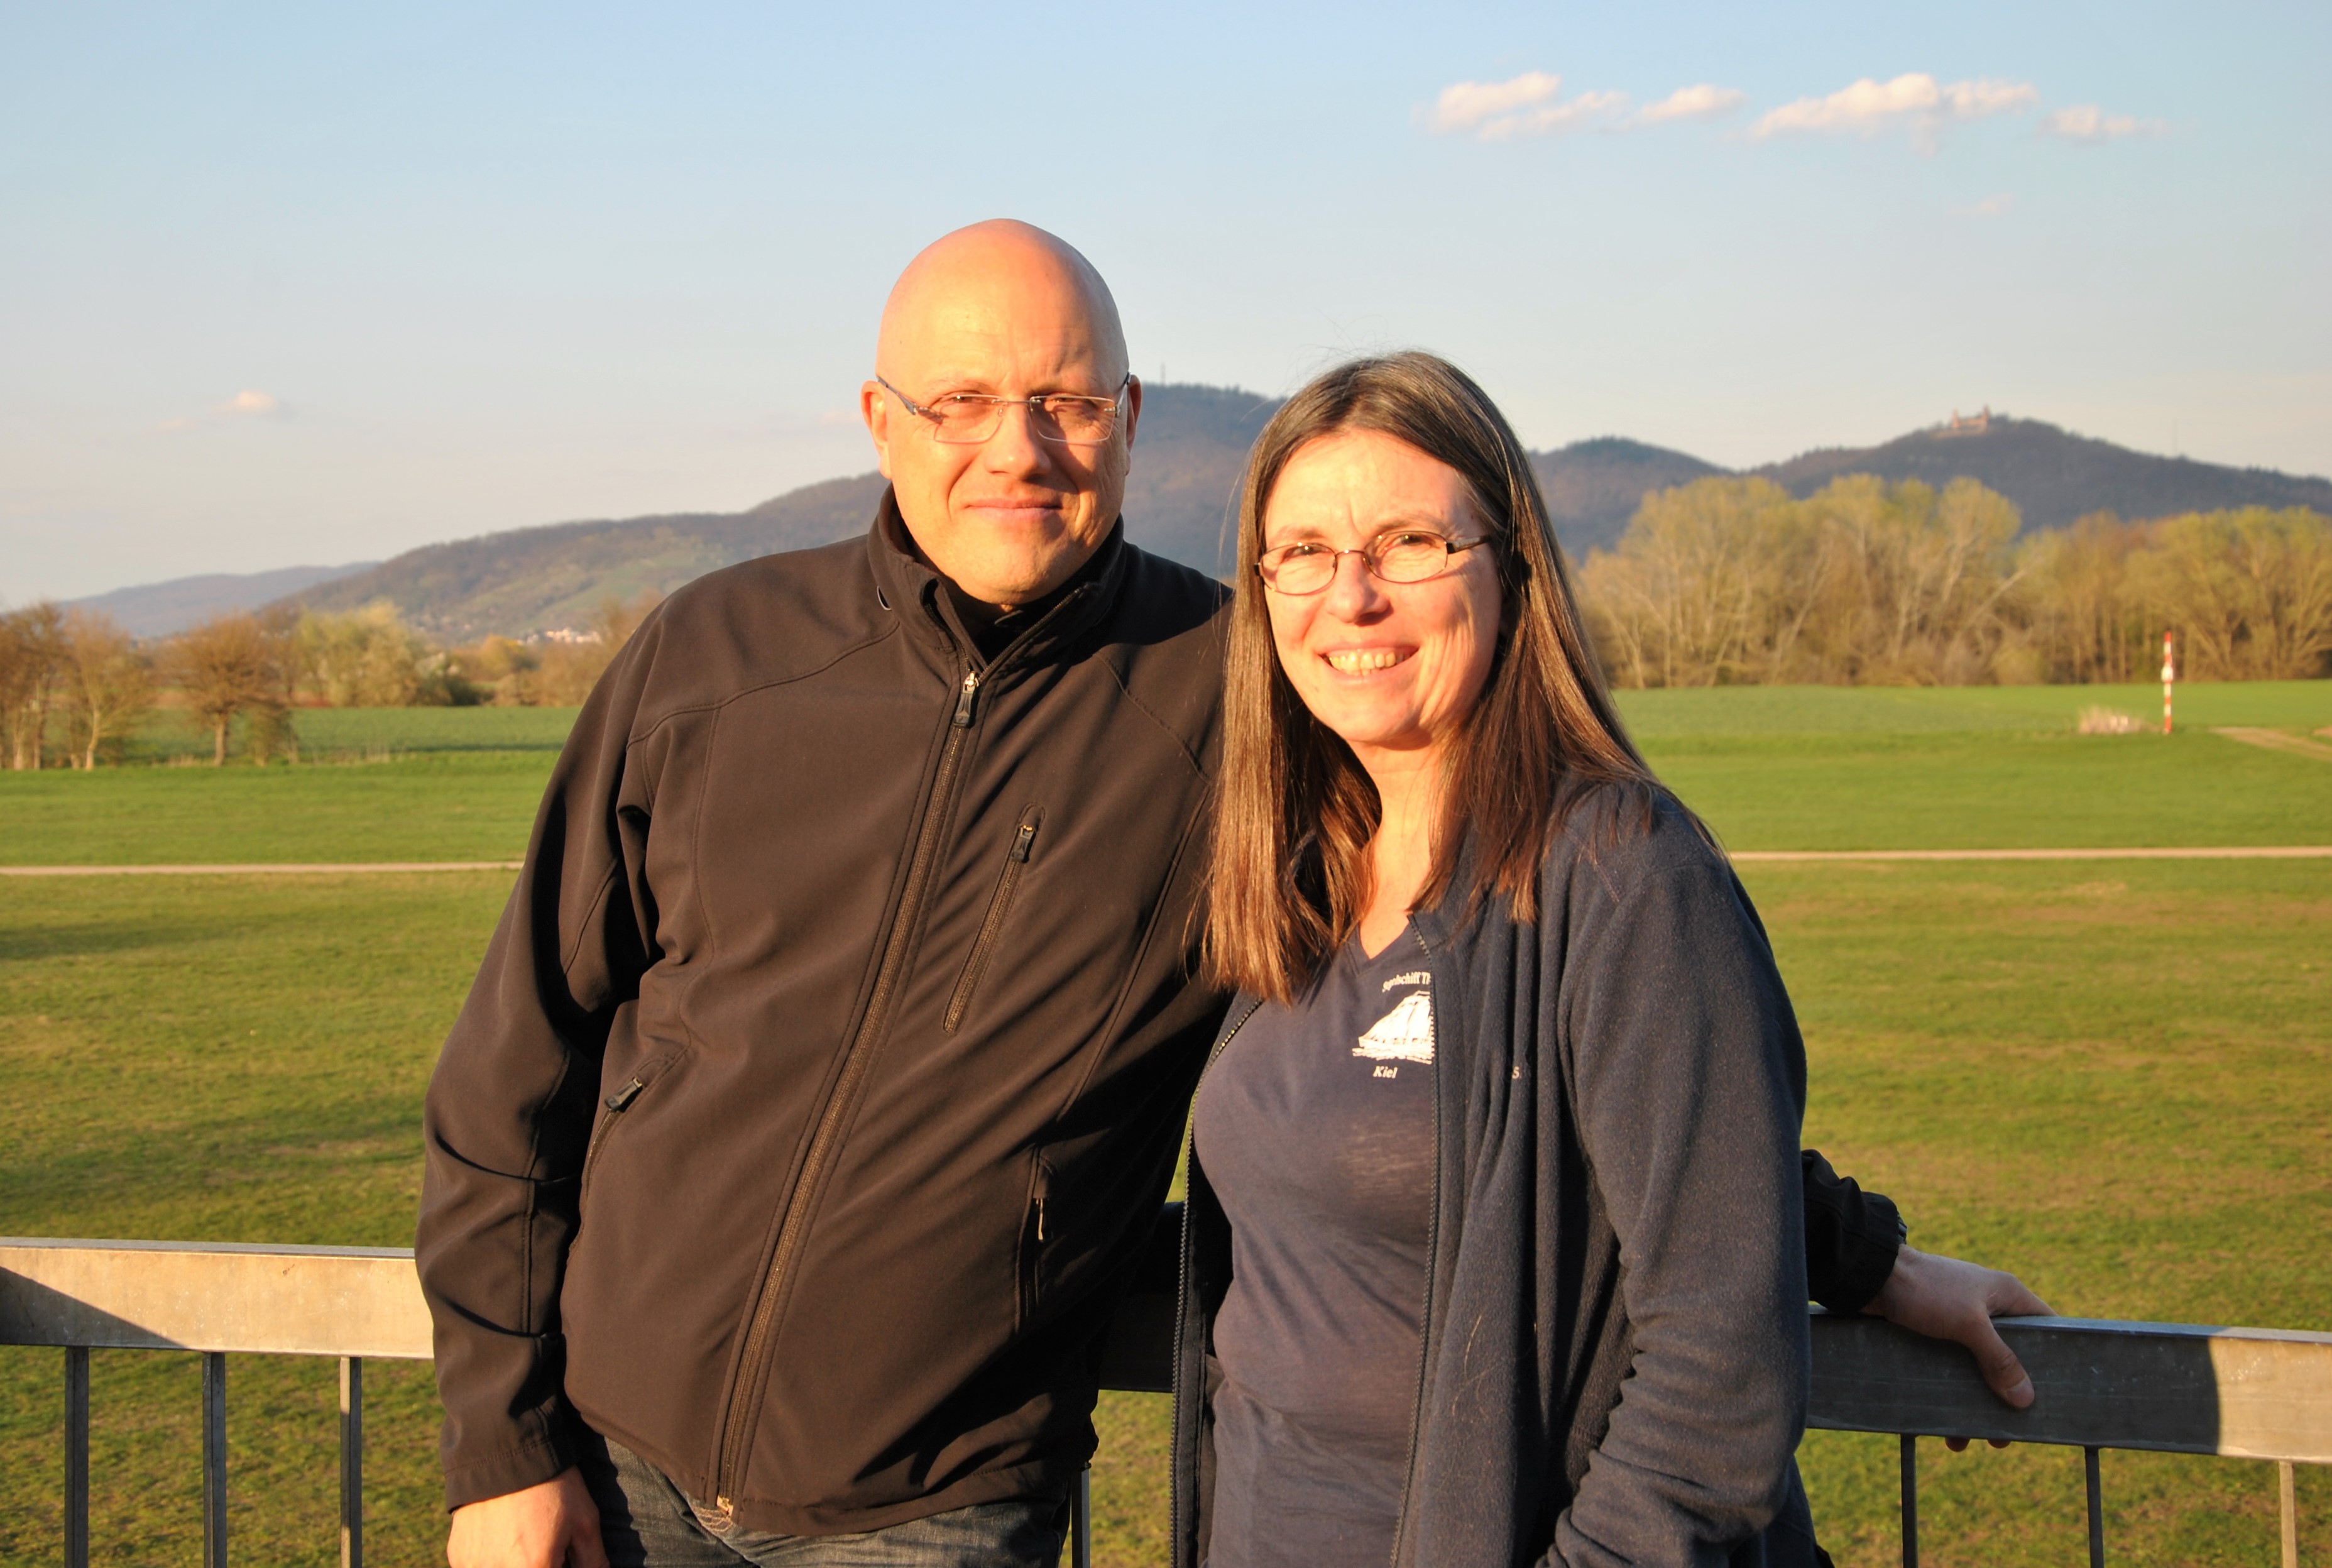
x: 1721, y: 581
x: 74, y: 686
x: 71, y: 672
x: 1735, y: 580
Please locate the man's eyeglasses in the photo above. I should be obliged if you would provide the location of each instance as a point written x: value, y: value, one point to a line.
x: 1399, y: 556
x: 969, y: 418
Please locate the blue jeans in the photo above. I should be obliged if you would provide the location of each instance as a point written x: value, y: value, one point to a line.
x: 647, y: 1522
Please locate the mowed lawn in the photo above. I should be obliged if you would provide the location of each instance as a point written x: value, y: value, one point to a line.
x: 2111, y: 1077
x: 377, y: 784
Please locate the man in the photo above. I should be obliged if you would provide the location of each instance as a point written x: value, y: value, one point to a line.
x: 827, y: 1067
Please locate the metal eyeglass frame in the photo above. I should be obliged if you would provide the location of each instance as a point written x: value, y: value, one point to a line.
x: 1451, y: 548
x: 1035, y: 405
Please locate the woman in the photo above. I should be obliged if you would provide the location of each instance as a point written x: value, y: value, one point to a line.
x: 1493, y: 1251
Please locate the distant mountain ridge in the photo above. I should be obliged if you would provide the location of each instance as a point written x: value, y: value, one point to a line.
x: 1192, y: 443
x: 162, y: 610
x: 2053, y: 475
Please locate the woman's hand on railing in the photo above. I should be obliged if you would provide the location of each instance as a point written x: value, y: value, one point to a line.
x: 553, y: 1525
x: 1948, y: 1298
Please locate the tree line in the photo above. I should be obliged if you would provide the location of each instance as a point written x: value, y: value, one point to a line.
x: 1736, y: 581
x: 75, y: 687
x: 1721, y: 581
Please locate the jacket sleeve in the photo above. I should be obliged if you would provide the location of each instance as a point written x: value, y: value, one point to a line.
x: 510, y: 1107
x: 1852, y: 1237
x: 1689, y: 1082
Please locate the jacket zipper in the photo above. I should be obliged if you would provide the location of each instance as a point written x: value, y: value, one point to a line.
x: 752, y: 1364
x: 1032, y: 1251
x: 998, y: 904
x: 1182, y: 1263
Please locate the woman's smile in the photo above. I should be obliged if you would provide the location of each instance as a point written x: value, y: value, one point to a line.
x: 1365, y: 661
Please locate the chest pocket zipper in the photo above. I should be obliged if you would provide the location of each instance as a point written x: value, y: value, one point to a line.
x: 617, y: 1104
x: 999, y: 903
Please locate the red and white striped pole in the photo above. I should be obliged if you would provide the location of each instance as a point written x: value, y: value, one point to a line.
x: 2169, y: 673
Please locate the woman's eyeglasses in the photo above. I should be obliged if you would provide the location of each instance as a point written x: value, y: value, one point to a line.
x: 969, y: 418
x: 1405, y: 556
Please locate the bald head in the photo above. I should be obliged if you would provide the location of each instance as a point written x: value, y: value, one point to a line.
x: 1006, y: 310
x: 1000, y: 277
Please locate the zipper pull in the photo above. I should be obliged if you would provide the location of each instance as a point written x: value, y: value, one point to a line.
x: 1020, y: 844
x: 624, y: 1096
x: 964, y: 699
x: 1040, y: 1219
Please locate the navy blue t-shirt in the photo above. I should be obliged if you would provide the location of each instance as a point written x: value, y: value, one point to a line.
x: 1315, y: 1128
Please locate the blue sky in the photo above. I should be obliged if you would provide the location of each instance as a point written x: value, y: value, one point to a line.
x: 284, y: 284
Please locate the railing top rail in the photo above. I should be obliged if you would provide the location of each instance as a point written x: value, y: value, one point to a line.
x: 2192, y: 1388
x: 2178, y: 1388
x: 2139, y: 1328
x: 359, y: 1301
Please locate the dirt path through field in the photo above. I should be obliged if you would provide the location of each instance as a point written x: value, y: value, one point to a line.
x: 300, y: 869
x: 2276, y: 741
x: 2197, y: 852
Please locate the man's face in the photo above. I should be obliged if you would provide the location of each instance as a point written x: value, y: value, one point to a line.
x: 1013, y: 518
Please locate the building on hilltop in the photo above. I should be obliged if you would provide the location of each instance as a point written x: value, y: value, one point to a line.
x: 1974, y: 424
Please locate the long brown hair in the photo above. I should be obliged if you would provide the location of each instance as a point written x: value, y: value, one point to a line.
x: 1291, y: 871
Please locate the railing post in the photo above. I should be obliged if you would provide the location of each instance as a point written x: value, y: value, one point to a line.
x: 2287, y: 1500
x: 76, y: 1455
x: 1910, y: 1500
x: 214, y: 1459
x: 351, y: 1462
x: 1081, y: 1521
x: 2097, y: 1490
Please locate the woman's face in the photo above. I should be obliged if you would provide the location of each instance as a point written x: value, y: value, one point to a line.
x: 1392, y: 667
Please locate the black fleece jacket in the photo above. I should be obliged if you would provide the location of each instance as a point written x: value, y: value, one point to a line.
x: 824, y: 1073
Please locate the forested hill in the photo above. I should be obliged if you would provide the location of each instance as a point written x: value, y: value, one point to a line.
x: 1186, y: 466
x: 1187, y: 459
x: 2055, y: 476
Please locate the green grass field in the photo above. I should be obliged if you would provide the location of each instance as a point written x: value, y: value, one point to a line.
x: 376, y: 784
x: 2110, y: 1077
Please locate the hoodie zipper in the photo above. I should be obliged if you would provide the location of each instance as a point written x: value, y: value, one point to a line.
x: 753, y: 1362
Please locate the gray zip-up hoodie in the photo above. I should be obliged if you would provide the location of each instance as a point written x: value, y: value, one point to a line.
x: 1615, y: 1351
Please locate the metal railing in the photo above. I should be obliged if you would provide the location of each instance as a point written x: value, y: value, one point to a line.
x: 2260, y: 1394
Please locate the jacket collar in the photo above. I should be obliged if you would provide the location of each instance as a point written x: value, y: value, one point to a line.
x: 911, y: 591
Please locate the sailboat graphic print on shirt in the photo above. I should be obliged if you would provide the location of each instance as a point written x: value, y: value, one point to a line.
x: 1402, y: 1035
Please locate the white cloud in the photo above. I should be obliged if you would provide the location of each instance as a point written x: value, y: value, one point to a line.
x: 258, y: 403
x: 1987, y: 96
x: 2090, y: 126
x: 1584, y: 109
x: 1914, y: 100
x: 1528, y: 105
x: 1705, y: 101
x: 1463, y: 105
x: 1997, y: 206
